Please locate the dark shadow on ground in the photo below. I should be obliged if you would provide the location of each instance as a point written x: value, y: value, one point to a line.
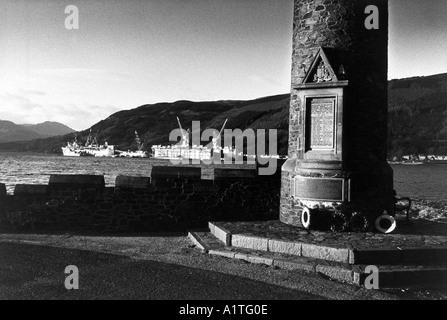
x: 37, y: 272
x: 421, y: 227
x: 12, y: 231
x: 412, y: 227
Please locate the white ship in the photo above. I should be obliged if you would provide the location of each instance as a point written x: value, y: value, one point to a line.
x: 194, y: 152
x: 90, y: 149
x: 72, y: 149
x: 140, y: 153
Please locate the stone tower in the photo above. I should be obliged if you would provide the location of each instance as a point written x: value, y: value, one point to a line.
x: 337, y: 170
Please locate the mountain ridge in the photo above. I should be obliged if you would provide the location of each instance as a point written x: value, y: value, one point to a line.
x: 49, y: 128
x: 12, y: 132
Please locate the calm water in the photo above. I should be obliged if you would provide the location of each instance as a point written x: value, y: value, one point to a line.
x: 420, y: 182
x: 427, y: 182
x: 19, y: 168
x: 16, y: 168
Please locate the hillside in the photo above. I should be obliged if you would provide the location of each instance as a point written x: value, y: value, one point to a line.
x: 11, y: 132
x: 155, y: 122
x: 48, y: 129
x: 417, y: 120
x: 418, y: 115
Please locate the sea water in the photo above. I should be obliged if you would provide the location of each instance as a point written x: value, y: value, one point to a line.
x: 427, y: 182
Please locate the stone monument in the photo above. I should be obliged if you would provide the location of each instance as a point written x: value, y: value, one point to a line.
x: 337, y: 175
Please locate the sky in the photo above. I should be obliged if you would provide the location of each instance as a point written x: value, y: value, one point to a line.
x: 135, y: 52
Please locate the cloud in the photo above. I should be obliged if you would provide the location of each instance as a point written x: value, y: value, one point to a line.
x: 22, y: 108
x: 82, y: 74
x: 265, y: 80
x: 31, y: 92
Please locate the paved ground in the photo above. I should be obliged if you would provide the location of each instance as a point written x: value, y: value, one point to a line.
x: 31, y: 272
x: 150, y: 267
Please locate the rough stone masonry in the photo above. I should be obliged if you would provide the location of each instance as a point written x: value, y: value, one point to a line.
x: 357, y: 59
x: 170, y: 199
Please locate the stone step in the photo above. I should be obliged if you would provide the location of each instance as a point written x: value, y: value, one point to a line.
x: 390, y: 276
x: 264, y: 236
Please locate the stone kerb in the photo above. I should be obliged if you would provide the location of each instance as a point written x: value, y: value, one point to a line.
x: 78, y: 186
x: 233, y: 174
x: 30, y: 191
x: 132, y: 188
x: 78, y: 181
x: 160, y: 173
x: 2, y: 192
x: 3, y: 200
x: 129, y: 182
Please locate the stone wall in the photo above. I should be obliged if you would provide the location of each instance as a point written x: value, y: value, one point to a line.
x: 172, y: 198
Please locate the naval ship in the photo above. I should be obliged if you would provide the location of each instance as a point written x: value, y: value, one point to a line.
x: 91, y: 148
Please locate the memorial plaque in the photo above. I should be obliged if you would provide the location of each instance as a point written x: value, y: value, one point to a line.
x: 319, y: 189
x: 322, y: 124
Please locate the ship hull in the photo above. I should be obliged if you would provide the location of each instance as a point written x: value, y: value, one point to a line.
x: 101, y: 152
x: 134, y: 154
x: 104, y: 152
x: 182, y: 153
x: 67, y: 152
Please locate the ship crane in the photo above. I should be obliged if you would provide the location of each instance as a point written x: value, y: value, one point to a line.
x: 185, y: 136
x: 75, y: 143
x: 95, y: 139
x: 137, y: 139
x: 89, y: 138
x: 215, y: 139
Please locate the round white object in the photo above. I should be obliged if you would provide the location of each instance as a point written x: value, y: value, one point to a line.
x: 306, y: 218
x: 391, y: 221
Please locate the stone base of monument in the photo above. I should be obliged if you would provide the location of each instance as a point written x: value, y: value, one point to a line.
x: 318, y: 196
x: 414, y: 256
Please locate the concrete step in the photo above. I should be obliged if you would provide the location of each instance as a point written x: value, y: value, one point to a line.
x: 379, y: 251
x: 390, y: 276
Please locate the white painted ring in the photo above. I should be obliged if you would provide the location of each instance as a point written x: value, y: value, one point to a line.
x: 390, y: 219
x: 306, y: 218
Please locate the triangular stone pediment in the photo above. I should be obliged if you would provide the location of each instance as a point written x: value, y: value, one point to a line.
x: 321, y: 69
